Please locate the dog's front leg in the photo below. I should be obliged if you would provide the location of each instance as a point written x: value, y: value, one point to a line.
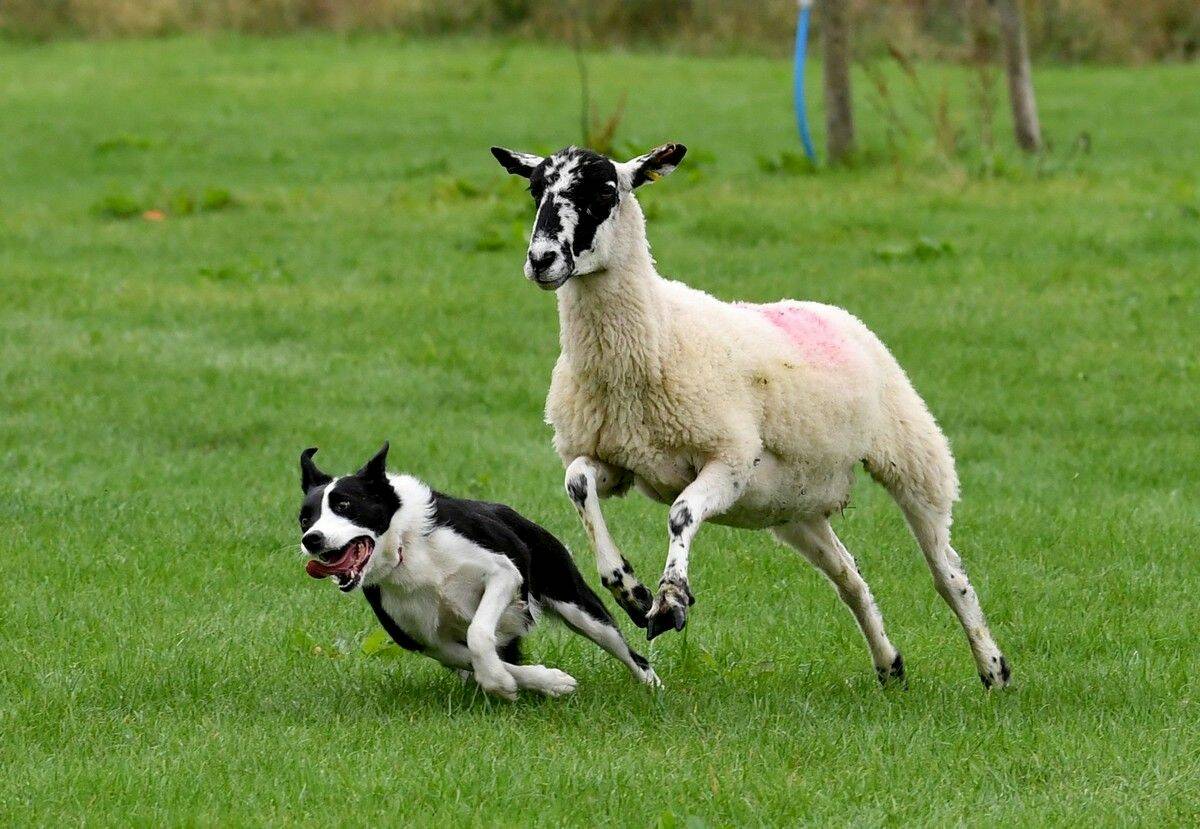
x: 498, y: 593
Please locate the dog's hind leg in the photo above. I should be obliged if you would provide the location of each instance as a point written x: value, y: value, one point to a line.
x: 588, y: 617
x: 549, y: 681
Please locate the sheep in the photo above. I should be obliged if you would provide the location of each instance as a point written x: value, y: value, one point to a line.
x: 752, y: 416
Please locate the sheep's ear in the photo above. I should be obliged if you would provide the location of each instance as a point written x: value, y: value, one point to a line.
x: 519, y: 164
x: 376, y: 468
x: 310, y: 476
x: 655, y: 164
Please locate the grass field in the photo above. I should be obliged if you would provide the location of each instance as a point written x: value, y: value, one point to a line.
x: 339, y: 264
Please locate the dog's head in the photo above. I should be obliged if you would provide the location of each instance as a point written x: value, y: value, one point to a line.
x: 344, y: 520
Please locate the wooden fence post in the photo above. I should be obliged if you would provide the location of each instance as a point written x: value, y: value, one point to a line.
x: 839, y: 116
x: 1020, y: 76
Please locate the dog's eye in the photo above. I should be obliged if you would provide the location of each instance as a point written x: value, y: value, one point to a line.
x: 341, y: 506
x: 304, y: 522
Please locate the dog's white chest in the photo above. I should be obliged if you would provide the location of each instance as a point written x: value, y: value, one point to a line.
x: 436, y: 592
x: 416, y: 612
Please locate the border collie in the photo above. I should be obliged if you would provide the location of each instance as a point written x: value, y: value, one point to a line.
x: 459, y: 581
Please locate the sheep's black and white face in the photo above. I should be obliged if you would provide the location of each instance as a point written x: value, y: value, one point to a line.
x: 578, y: 195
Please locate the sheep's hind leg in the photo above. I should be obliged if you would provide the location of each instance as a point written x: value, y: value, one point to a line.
x: 713, y: 491
x: 588, y: 480
x: 931, y: 526
x: 817, y: 542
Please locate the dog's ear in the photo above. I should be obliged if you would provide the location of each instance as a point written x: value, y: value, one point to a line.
x: 376, y: 468
x: 310, y: 476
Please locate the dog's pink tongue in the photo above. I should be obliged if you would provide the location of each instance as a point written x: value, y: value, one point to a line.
x: 319, y: 569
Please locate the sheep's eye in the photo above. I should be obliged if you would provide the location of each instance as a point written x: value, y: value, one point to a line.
x: 605, y: 202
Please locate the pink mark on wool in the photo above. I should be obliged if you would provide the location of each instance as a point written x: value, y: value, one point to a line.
x: 812, y: 333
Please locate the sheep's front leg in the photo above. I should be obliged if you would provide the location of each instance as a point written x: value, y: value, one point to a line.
x: 715, y: 490
x: 589, y: 480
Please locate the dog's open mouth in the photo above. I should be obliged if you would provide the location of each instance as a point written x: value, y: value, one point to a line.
x: 345, y: 565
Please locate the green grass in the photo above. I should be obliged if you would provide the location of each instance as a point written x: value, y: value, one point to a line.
x: 339, y: 264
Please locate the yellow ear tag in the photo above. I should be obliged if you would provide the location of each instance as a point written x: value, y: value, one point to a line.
x: 653, y: 176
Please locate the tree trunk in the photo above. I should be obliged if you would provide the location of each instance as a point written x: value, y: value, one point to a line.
x: 839, y: 117
x: 1020, y: 77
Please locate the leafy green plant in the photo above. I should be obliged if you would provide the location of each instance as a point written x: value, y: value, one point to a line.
x: 935, y: 108
x: 922, y: 249
x: 456, y: 188
x: 984, y: 92
x: 497, y: 236
x: 786, y: 163
x: 880, y: 98
x: 181, y: 203
x: 118, y: 204
x: 423, y: 167
x: 378, y: 645
x: 301, y: 641
x: 215, y: 198
x: 250, y: 273
x: 123, y: 141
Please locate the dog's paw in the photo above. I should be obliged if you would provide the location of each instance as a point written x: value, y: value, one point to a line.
x: 554, y: 683
x: 650, y: 679
x: 497, y: 682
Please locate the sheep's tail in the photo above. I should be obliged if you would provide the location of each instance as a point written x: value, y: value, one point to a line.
x: 912, y: 458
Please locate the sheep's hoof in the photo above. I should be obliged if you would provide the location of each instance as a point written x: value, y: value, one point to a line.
x: 669, y: 609
x: 636, y: 602
x: 893, y: 675
x: 997, y: 675
x: 630, y: 594
x: 673, y: 616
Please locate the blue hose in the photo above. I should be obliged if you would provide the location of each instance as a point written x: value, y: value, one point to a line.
x: 798, y: 81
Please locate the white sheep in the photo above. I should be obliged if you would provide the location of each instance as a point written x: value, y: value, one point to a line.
x: 752, y: 416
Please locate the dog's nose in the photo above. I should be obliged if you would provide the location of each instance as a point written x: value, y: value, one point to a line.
x: 314, y: 542
x: 541, y: 262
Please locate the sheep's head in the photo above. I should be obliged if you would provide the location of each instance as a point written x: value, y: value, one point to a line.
x: 578, y: 195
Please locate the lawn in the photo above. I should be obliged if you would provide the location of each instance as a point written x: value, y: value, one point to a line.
x: 335, y: 260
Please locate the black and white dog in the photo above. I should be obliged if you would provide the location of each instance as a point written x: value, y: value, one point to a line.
x: 460, y: 581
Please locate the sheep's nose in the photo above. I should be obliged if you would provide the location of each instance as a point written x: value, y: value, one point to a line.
x: 314, y: 542
x: 541, y: 262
